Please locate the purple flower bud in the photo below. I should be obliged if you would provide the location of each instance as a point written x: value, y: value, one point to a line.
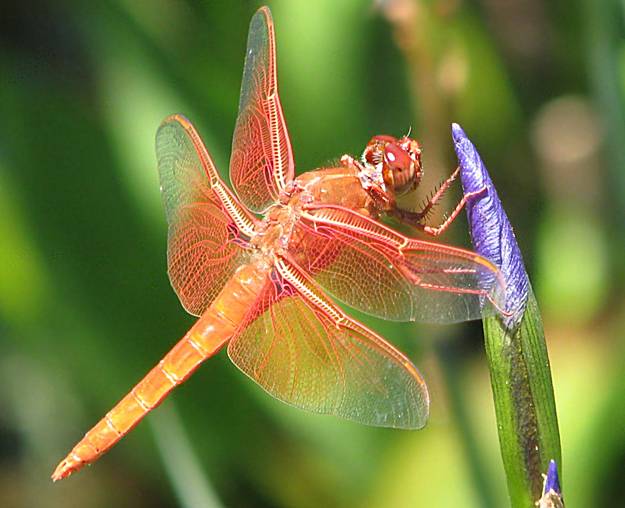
x: 491, y: 232
x: 552, y: 482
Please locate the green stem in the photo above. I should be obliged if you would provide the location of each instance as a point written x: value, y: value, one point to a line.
x: 524, y: 402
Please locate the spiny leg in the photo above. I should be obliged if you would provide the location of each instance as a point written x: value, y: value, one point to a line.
x: 436, y: 197
x: 416, y: 219
x: 435, y: 231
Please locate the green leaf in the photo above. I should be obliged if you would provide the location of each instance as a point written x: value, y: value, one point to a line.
x: 524, y: 402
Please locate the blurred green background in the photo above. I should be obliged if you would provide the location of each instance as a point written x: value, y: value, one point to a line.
x: 86, y: 308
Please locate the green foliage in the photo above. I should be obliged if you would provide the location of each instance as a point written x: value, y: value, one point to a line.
x: 524, y: 402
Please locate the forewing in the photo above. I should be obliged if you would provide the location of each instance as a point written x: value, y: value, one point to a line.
x: 383, y: 273
x: 302, y: 349
x: 206, y: 226
x: 261, y: 163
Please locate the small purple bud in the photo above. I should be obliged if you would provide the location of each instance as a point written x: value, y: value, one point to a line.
x: 552, y: 482
x: 552, y: 496
x: 491, y: 232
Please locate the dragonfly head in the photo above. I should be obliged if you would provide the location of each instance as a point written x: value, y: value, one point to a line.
x: 399, y: 160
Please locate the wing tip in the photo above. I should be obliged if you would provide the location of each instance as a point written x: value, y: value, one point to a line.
x: 262, y: 19
x: 266, y: 12
x: 179, y: 118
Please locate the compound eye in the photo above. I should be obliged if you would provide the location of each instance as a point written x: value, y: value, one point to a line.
x: 397, y: 158
x: 402, y: 167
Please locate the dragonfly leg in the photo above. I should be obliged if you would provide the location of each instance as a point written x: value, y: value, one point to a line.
x: 436, y: 197
x: 417, y: 219
x: 348, y: 160
x: 435, y: 231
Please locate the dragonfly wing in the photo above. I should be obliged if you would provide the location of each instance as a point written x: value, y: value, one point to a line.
x: 302, y: 349
x: 381, y: 272
x: 261, y: 163
x: 207, y: 227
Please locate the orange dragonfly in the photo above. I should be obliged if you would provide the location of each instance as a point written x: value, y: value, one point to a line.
x: 256, y: 284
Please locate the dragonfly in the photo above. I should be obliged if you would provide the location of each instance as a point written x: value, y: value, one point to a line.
x: 256, y: 266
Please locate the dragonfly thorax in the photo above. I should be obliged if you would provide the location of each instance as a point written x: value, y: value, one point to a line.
x: 273, y: 233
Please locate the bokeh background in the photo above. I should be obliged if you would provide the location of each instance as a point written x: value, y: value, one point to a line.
x: 86, y: 308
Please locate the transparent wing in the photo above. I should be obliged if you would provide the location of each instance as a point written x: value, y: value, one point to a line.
x: 208, y: 228
x: 302, y: 349
x: 261, y: 163
x: 383, y: 273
